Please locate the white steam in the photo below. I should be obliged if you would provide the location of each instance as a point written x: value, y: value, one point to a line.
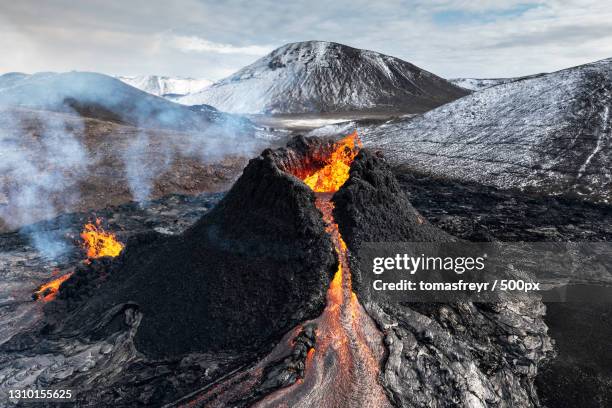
x: 44, y: 161
x: 41, y: 163
x: 143, y: 165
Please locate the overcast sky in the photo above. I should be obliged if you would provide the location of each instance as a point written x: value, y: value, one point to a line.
x: 212, y: 38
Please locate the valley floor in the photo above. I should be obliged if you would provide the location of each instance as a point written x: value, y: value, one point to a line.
x: 305, y: 121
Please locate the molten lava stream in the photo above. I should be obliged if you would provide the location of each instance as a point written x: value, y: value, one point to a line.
x: 344, y: 370
x: 48, y: 291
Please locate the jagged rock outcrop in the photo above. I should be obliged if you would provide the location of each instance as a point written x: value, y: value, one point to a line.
x: 460, y: 354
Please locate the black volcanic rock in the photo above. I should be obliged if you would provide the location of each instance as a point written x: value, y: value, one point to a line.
x: 455, y: 354
x: 247, y: 272
x: 372, y: 199
x: 320, y: 76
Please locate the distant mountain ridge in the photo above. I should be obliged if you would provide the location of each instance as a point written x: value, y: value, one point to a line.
x: 169, y: 87
x: 478, y: 84
x: 319, y: 76
x: 11, y: 78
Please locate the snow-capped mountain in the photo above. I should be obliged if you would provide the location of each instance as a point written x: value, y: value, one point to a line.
x: 478, y: 84
x: 317, y: 76
x: 169, y: 87
x: 551, y: 133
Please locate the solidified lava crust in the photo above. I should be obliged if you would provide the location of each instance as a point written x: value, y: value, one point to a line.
x: 245, y: 277
x: 247, y: 272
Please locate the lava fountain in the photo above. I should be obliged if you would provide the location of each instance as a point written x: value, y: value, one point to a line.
x: 97, y: 243
x: 344, y: 369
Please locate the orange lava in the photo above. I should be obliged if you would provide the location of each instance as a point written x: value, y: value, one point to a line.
x: 336, y: 171
x: 48, y: 291
x: 99, y: 243
x: 344, y: 369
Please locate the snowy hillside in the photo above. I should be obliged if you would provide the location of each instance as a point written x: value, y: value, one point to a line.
x: 317, y: 76
x: 552, y: 133
x: 103, y: 97
x: 11, y: 78
x: 478, y: 84
x: 169, y: 87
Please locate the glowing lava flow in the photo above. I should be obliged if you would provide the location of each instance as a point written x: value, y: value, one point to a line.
x: 336, y: 170
x: 344, y: 369
x: 48, y: 291
x: 99, y: 243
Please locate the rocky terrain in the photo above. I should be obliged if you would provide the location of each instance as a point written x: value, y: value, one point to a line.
x: 472, y: 213
x: 24, y: 268
x: 580, y: 374
x: 480, y: 213
x: 318, y: 76
x: 482, y: 354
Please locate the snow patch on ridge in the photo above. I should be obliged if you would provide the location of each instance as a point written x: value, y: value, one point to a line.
x: 166, y: 86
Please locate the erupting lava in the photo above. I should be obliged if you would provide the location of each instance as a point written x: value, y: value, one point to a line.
x: 343, y: 371
x: 333, y: 175
x: 343, y: 368
x: 99, y: 243
x: 48, y: 291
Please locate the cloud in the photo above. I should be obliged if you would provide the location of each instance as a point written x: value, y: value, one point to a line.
x: 197, y: 44
x: 208, y: 38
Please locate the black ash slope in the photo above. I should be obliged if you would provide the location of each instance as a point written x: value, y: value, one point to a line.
x: 254, y: 267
